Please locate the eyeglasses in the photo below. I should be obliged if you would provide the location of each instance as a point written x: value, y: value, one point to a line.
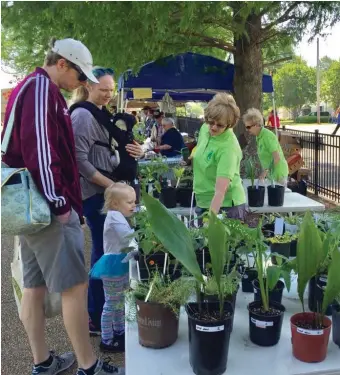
x: 100, y: 72
x: 82, y: 76
x: 249, y: 126
x: 218, y: 126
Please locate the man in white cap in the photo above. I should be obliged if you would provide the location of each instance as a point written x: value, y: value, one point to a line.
x: 53, y: 259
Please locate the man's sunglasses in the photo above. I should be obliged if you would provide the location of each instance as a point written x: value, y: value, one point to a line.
x: 249, y: 127
x: 82, y: 77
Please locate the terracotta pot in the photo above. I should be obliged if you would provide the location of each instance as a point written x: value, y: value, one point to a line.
x: 309, y: 345
x: 157, y: 325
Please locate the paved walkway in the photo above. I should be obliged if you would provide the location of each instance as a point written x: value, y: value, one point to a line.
x: 323, y: 128
x: 15, y: 353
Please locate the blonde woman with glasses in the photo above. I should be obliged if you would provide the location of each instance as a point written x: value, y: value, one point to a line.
x: 216, y: 161
x: 273, y: 162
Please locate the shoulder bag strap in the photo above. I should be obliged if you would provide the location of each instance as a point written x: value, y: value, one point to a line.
x: 10, y: 123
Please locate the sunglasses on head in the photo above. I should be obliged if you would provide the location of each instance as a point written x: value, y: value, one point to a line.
x: 82, y: 77
x: 100, y: 72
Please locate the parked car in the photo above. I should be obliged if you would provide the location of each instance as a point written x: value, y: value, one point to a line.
x: 325, y: 117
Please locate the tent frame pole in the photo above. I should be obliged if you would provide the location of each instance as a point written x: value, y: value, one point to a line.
x: 274, y: 109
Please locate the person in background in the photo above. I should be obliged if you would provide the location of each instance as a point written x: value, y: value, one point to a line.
x: 134, y: 113
x: 172, y: 141
x: 113, y: 267
x: 216, y: 160
x: 270, y: 153
x: 337, y: 116
x: 101, y: 151
x: 272, y: 118
x: 149, y: 122
x: 144, y: 113
x: 157, y: 129
x: 53, y: 259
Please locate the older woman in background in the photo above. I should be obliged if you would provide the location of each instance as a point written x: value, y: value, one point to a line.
x: 270, y: 153
x: 172, y: 141
x: 217, y: 158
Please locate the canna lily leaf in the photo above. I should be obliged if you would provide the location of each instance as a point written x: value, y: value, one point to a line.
x: 173, y: 234
x: 333, y: 281
x: 273, y: 276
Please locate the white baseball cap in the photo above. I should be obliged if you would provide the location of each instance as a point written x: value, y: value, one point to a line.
x: 76, y: 52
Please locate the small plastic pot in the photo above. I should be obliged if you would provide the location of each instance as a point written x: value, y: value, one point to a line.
x: 184, y: 197
x: 256, y: 196
x: 280, y: 248
x: 309, y: 345
x: 168, y: 197
x: 249, y: 275
x: 275, y: 295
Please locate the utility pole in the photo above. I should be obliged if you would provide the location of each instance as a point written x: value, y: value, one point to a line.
x: 317, y: 82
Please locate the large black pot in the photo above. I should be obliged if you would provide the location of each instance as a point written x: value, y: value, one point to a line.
x: 184, y: 197
x: 265, y: 330
x: 248, y: 276
x: 275, y: 295
x: 336, y: 324
x: 280, y: 248
x: 168, y: 197
x: 256, y: 196
x: 209, y: 340
x: 276, y: 195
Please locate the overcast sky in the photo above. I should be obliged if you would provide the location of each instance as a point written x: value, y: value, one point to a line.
x: 329, y: 46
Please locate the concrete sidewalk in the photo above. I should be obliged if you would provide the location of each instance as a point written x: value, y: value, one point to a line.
x: 16, y: 357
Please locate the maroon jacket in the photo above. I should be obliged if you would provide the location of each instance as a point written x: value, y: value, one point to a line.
x: 42, y: 141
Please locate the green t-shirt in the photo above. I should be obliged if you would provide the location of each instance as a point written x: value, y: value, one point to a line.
x: 218, y: 156
x: 267, y: 143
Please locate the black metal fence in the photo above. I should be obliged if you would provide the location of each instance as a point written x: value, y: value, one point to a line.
x: 321, y: 154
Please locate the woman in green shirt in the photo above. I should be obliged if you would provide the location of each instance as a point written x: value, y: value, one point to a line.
x: 270, y: 153
x: 217, y: 158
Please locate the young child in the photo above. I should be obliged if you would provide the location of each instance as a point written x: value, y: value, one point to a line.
x: 113, y: 267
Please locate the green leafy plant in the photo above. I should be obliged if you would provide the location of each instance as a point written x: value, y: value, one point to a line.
x: 251, y: 170
x: 153, y: 173
x: 161, y: 289
x: 268, y: 275
x: 317, y: 252
x: 285, y: 238
x: 229, y: 282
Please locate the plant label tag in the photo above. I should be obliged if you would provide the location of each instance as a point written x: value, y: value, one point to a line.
x: 278, y: 228
x: 261, y: 324
x: 209, y: 329
x: 323, y: 279
x: 245, y: 276
x: 310, y: 332
x: 255, y: 291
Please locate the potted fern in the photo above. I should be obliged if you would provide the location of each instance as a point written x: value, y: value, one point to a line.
x: 310, y: 331
x: 209, y: 322
x: 255, y: 192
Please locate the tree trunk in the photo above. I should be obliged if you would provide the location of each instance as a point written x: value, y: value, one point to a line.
x: 248, y: 75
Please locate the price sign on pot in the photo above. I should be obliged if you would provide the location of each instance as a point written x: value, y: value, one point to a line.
x: 209, y: 329
x: 261, y: 324
x: 310, y: 332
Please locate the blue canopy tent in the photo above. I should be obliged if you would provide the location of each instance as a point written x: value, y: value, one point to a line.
x: 186, y: 77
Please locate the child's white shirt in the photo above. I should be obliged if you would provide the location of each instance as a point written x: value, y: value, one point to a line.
x: 118, y: 235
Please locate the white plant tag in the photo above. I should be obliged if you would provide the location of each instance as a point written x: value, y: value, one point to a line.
x: 310, y: 332
x: 255, y: 290
x: 209, y: 329
x: 261, y: 324
x: 245, y: 276
x: 323, y: 279
x: 278, y: 229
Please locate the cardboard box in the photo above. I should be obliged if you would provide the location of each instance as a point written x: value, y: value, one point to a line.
x: 291, y: 149
x: 295, y: 162
x: 286, y: 138
x: 303, y: 174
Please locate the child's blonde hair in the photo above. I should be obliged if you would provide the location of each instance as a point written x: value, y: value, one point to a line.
x: 114, y: 193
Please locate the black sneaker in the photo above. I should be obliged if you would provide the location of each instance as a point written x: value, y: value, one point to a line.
x: 117, y: 346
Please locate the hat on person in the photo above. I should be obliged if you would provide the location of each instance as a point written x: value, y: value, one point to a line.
x: 157, y: 113
x: 76, y: 52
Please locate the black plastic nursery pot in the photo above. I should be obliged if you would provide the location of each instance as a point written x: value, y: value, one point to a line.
x: 229, y: 298
x: 209, y: 338
x: 168, y: 197
x: 154, y: 262
x: 336, y: 324
x: 275, y: 295
x: 280, y: 248
x: 315, y: 294
x: 276, y: 195
x: 256, y: 196
x: 184, y: 197
x: 249, y: 275
x: 293, y: 248
x: 265, y: 327
x: 268, y: 230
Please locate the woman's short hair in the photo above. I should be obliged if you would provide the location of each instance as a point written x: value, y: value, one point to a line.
x: 253, y: 115
x: 223, y: 109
